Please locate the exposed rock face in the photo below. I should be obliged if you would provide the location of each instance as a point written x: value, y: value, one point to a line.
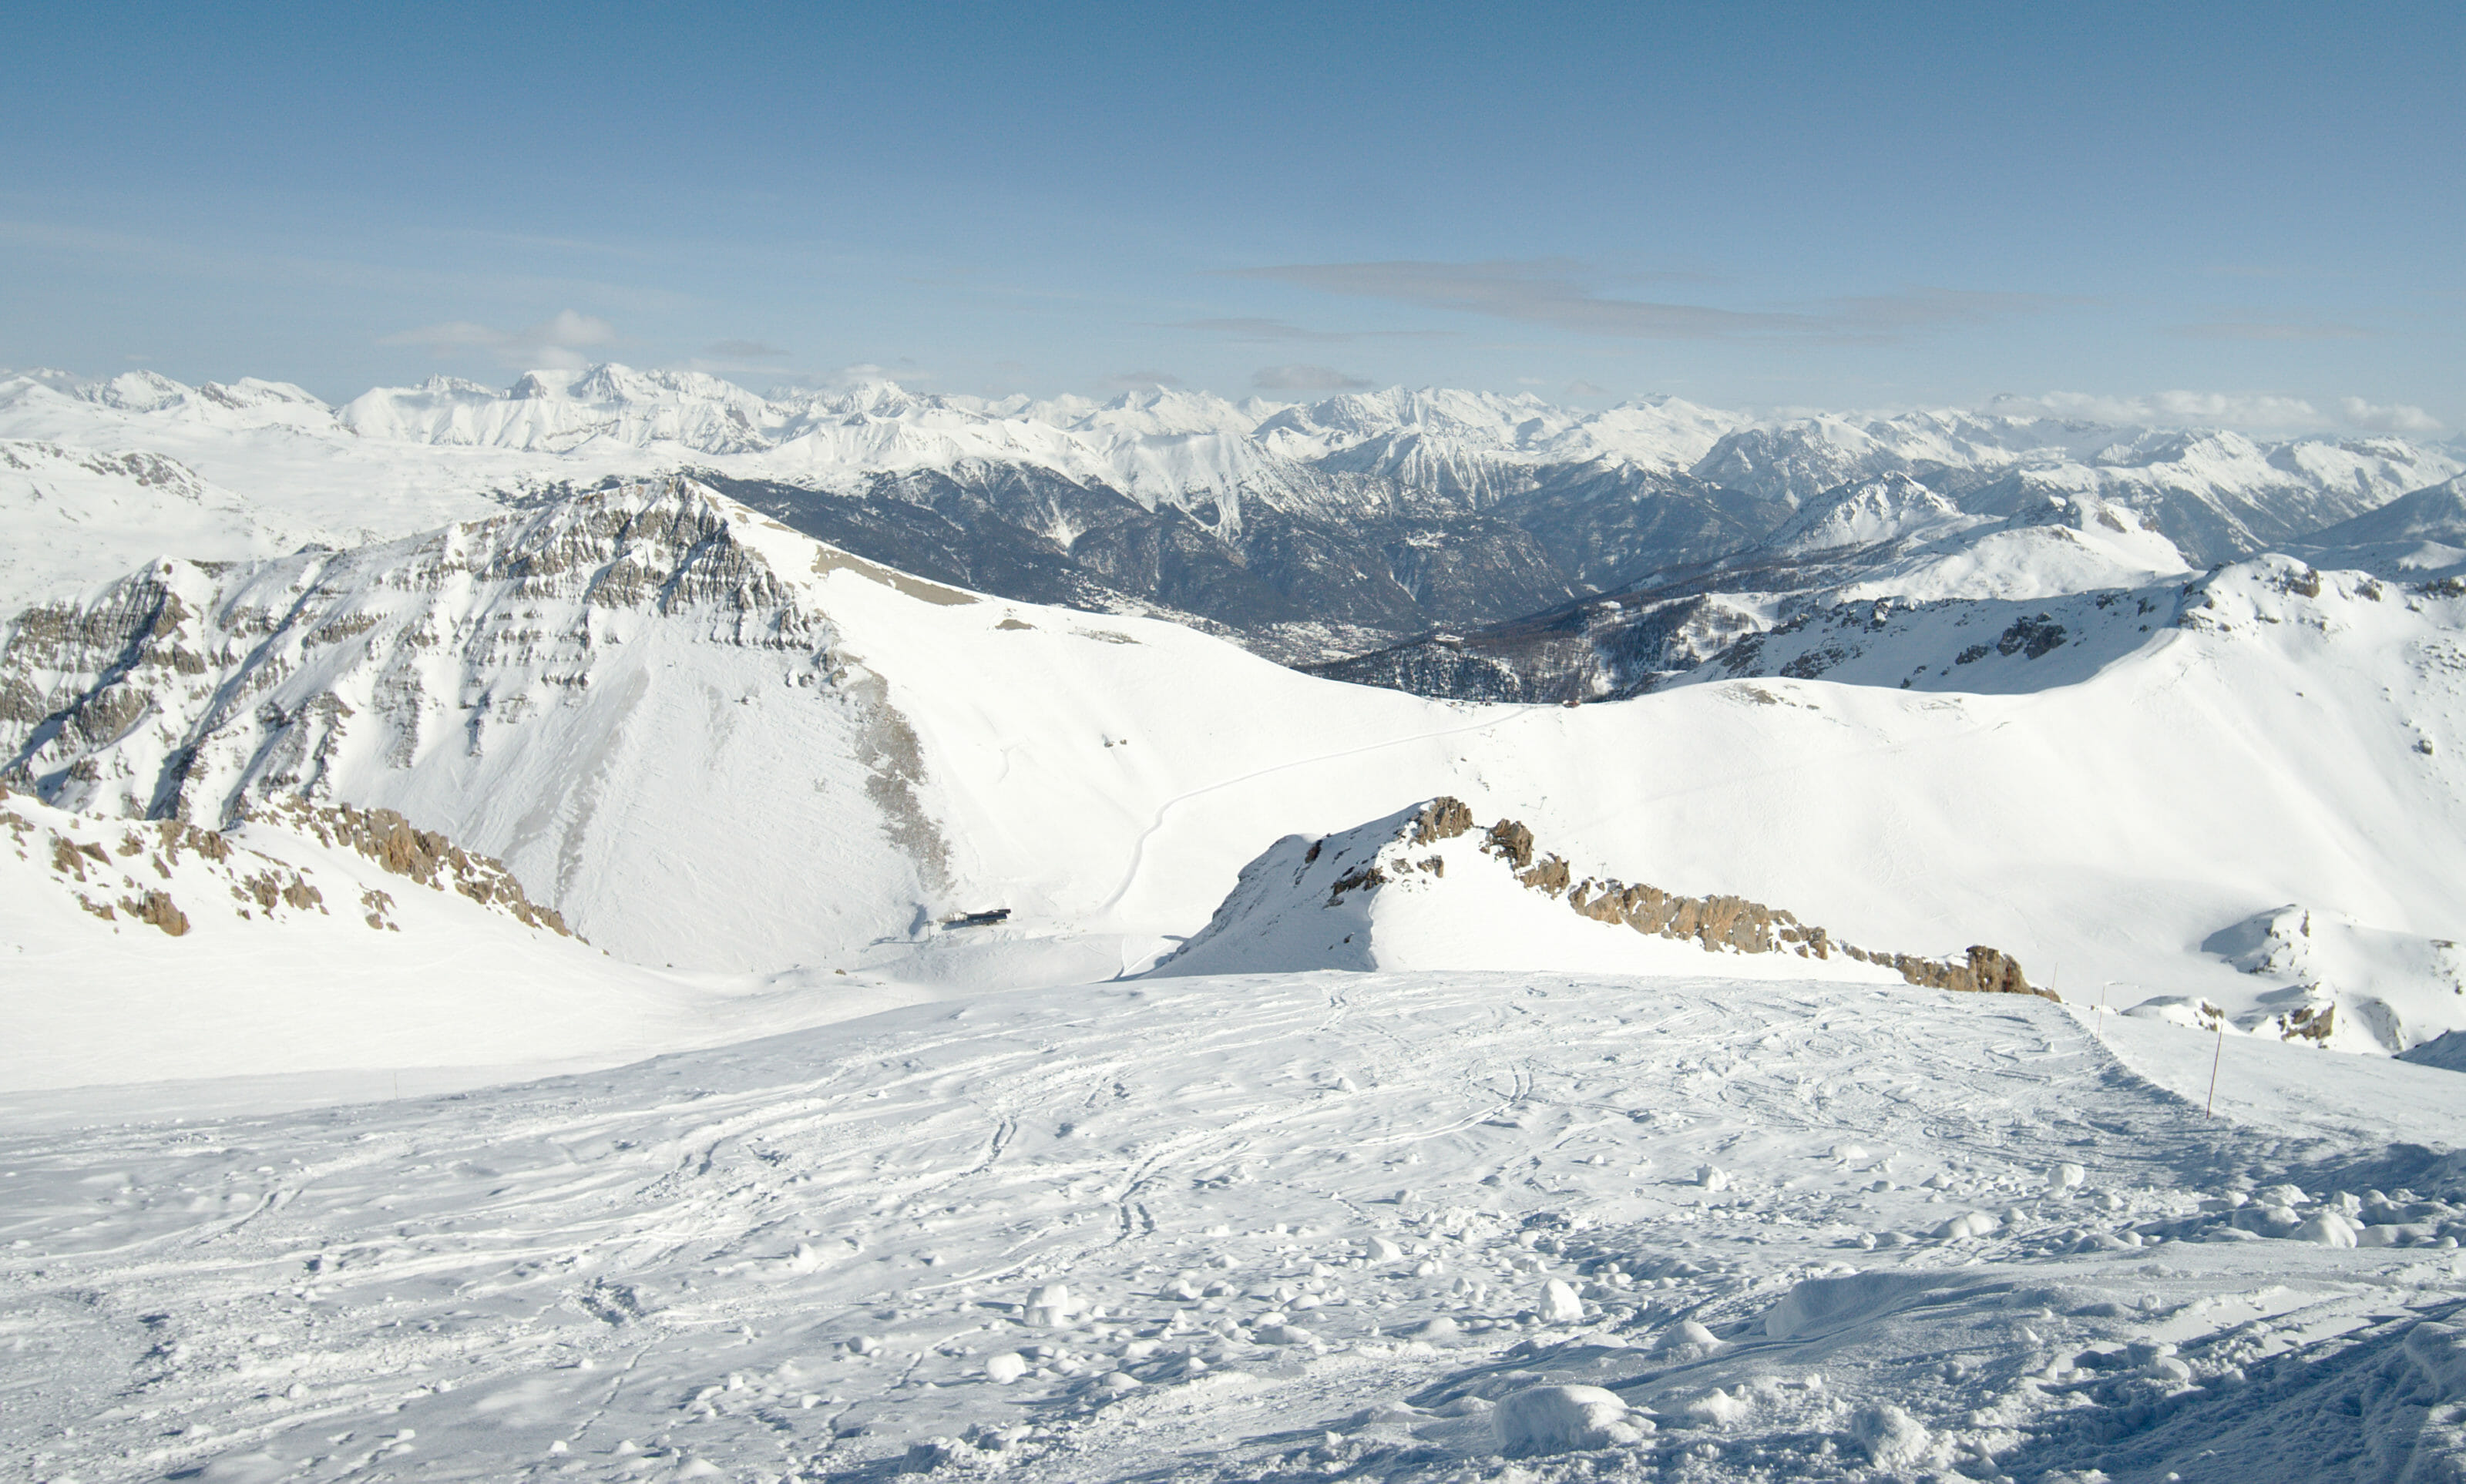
x: 170, y: 695
x: 426, y: 856
x: 121, y: 870
x: 533, y: 685
x: 1718, y: 923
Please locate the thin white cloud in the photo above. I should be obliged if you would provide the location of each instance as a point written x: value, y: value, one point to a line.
x: 2394, y: 417
x: 1544, y: 292
x: 1255, y: 330
x: 2275, y: 329
x: 1141, y: 381
x: 1305, y: 378
x: 554, y: 343
x: 1561, y: 293
x: 2263, y: 409
x: 2263, y: 412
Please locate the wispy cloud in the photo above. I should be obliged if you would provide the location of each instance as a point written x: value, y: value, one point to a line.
x: 554, y: 343
x: 2274, y: 330
x: 1141, y: 381
x: 1561, y: 293
x: 2270, y: 411
x: 1890, y: 316
x: 2393, y: 417
x: 1264, y: 331
x: 743, y: 350
x: 1545, y: 292
x: 1305, y: 378
x: 2262, y: 410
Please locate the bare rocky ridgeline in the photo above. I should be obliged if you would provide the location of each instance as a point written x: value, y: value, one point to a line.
x: 124, y: 870
x: 1717, y: 922
x: 178, y: 690
x: 428, y: 858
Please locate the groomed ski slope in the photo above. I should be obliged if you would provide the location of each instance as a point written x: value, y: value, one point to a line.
x: 1317, y: 1226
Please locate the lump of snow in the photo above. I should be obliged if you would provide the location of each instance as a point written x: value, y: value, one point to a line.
x: 1559, y: 1304
x: 1051, y: 1305
x: 2180, y: 1010
x: 1973, y: 1224
x: 1891, y: 1436
x: 1383, y: 1250
x: 1820, y: 1305
x: 1119, y: 1382
x: 1711, y: 1177
x: 2066, y: 1176
x: 2438, y: 1351
x: 2328, y: 1229
x: 2446, y: 1050
x: 1282, y: 1334
x: 1718, y: 1409
x: 1689, y: 1334
x: 1441, y: 1331
x: 1565, y: 1419
x: 1006, y: 1367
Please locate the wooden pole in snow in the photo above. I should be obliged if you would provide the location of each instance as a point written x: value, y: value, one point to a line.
x: 2216, y: 1057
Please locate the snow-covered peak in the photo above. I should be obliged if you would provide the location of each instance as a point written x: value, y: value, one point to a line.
x: 1429, y: 887
x: 1870, y: 512
x: 1165, y: 412
x: 135, y: 392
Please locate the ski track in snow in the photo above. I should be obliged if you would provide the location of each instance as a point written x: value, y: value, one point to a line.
x: 1306, y: 1224
x: 1139, y: 846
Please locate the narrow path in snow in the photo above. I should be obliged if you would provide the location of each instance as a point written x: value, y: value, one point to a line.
x: 1139, y: 848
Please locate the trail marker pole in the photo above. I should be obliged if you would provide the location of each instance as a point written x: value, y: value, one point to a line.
x: 2219, y: 1055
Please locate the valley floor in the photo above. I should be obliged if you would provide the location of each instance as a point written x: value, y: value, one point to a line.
x: 1317, y: 1226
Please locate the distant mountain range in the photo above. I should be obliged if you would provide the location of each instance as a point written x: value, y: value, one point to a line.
x: 1311, y: 532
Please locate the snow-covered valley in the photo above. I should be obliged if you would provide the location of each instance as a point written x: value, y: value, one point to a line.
x: 516, y: 970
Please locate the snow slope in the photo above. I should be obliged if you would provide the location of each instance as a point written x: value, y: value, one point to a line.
x: 158, y: 952
x: 1423, y: 889
x: 718, y: 744
x: 2416, y: 537
x: 1314, y: 1226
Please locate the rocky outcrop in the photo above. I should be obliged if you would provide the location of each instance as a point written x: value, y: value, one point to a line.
x: 424, y: 856
x: 188, y: 690
x: 1717, y: 923
x: 123, y: 870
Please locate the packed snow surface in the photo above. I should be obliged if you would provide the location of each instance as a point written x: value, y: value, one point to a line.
x: 1003, y: 1038
x: 1382, y: 1225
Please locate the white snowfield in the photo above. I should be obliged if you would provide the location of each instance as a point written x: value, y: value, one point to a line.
x: 1151, y: 1132
x: 116, y: 472
x: 715, y: 744
x: 271, y: 967
x: 1377, y: 1226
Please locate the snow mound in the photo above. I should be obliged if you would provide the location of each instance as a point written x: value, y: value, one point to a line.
x: 1423, y: 889
x: 1564, y: 1420
x: 2337, y: 983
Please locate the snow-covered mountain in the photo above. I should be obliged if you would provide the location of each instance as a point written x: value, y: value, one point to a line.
x: 1426, y: 888
x: 713, y: 742
x: 1242, y: 1139
x: 2415, y: 537
x: 1311, y: 530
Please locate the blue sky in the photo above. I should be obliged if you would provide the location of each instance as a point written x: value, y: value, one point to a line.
x: 2248, y: 214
